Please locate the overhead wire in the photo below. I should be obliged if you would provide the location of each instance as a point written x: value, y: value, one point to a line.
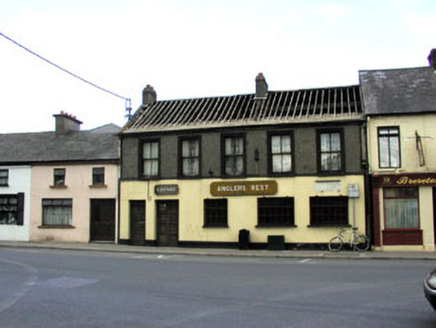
x: 127, y: 100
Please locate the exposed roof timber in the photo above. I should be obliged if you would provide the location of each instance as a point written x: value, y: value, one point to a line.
x: 245, y: 109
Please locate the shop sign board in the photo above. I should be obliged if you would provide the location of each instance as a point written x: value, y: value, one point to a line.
x: 165, y: 190
x: 405, y: 180
x: 328, y: 186
x: 243, y: 188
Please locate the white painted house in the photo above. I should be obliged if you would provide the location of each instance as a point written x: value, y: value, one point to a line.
x: 14, y: 202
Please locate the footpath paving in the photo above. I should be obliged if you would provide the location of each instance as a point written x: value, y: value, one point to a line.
x: 303, y: 254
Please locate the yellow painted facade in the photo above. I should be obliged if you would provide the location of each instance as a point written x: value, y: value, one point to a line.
x: 423, y: 124
x: 242, y: 210
x: 409, y: 125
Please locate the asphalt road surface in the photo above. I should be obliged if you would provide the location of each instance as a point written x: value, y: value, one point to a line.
x: 49, y: 288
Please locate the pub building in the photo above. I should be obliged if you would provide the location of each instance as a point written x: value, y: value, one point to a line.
x: 272, y: 169
x: 401, y: 108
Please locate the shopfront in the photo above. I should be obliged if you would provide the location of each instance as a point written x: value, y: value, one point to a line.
x: 404, y: 211
x: 305, y: 211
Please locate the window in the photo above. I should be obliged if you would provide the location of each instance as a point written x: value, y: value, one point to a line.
x: 329, y: 211
x: 57, y: 212
x: 330, y: 152
x: 12, y: 209
x: 59, y: 177
x: 275, y: 212
x: 215, y: 212
x: 280, y: 153
x: 98, y: 175
x: 4, y: 178
x: 234, y: 156
x: 401, y: 208
x: 190, y: 157
x: 150, y: 157
x: 389, y: 147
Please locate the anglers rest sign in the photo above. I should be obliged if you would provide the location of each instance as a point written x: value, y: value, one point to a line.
x: 243, y: 188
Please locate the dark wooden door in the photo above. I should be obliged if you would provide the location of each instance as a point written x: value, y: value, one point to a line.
x: 137, y: 222
x: 167, y: 223
x: 103, y: 220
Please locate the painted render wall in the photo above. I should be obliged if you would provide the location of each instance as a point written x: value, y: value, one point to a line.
x: 242, y: 210
x: 19, y: 181
x: 78, y: 180
x: 423, y: 124
x: 408, y: 124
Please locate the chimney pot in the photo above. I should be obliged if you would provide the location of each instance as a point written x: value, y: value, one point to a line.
x: 66, y: 123
x: 149, y: 95
x: 261, y: 87
x: 432, y: 58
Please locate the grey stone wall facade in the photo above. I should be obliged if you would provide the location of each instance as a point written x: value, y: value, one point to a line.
x: 256, y: 139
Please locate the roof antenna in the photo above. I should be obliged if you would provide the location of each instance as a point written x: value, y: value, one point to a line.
x: 128, y: 114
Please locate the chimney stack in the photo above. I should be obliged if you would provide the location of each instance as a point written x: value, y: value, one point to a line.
x: 261, y: 87
x: 66, y: 123
x: 432, y: 59
x: 149, y: 96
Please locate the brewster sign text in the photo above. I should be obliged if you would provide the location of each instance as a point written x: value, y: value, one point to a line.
x: 243, y: 188
x: 405, y: 180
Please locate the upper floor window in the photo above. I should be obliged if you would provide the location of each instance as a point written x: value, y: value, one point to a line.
x: 98, y: 175
x: 59, y: 177
x: 330, y: 152
x: 280, y: 153
x: 234, y: 155
x: 190, y: 157
x: 150, y: 157
x: 4, y: 178
x: 389, y: 147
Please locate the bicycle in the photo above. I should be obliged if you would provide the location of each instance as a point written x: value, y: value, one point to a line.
x: 357, y: 242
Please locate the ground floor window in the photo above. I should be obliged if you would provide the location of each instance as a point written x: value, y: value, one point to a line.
x: 273, y: 212
x: 57, y: 212
x: 215, y: 212
x: 401, y: 208
x: 11, y: 209
x: 329, y: 211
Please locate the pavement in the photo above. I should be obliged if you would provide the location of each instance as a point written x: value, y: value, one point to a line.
x: 302, y: 254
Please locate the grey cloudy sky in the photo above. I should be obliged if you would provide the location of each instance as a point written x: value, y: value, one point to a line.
x: 193, y: 48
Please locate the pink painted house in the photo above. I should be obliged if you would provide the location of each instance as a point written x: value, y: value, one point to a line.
x: 73, y: 181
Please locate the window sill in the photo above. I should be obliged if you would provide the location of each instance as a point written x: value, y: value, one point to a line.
x: 98, y: 186
x: 329, y: 226
x: 58, y: 187
x: 4, y: 185
x: 56, y: 227
x: 331, y: 174
x: 276, y: 226
x: 215, y: 226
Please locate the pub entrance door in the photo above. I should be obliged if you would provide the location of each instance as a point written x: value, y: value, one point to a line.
x: 167, y: 217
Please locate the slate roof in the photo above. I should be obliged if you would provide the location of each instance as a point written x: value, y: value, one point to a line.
x: 279, y: 107
x: 399, y: 91
x: 44, y: 147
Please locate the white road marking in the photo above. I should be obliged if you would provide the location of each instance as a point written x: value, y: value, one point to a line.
x: 305, y: 260
x: 26, y: 286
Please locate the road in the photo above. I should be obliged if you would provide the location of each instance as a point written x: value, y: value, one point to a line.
x: 55, y: 288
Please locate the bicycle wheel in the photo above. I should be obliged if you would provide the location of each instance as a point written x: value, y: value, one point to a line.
x: 361, y: 243
x: 335, y: 244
